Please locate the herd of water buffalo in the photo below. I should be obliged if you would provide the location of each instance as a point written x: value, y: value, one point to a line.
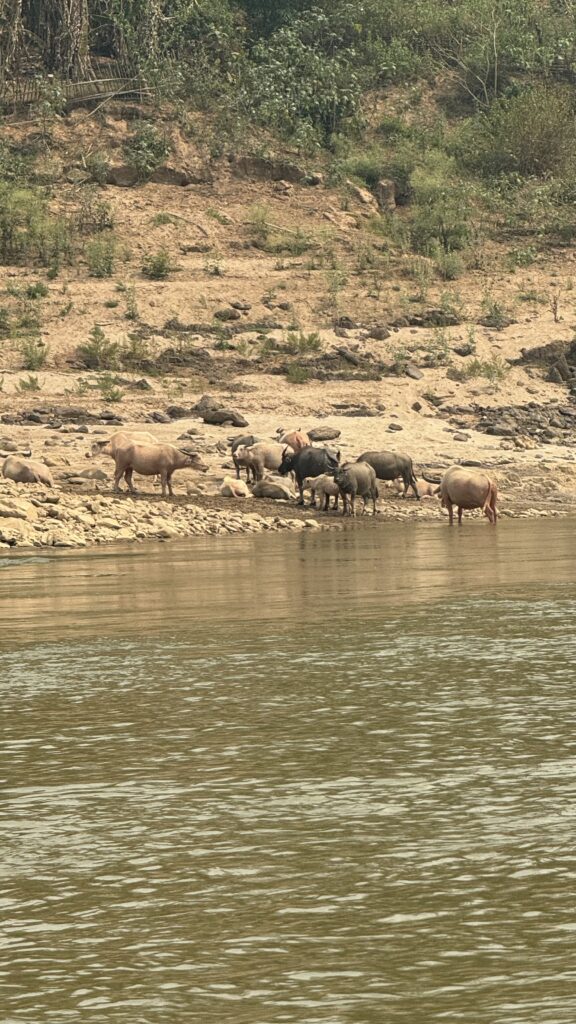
x: 268, y: 464
x: 321, y: 470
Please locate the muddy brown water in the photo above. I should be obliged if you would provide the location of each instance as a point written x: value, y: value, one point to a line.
x: 292, y: 778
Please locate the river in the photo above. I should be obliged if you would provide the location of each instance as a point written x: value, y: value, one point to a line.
x: 321, y: 778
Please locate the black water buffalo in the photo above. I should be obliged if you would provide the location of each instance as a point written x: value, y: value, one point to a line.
x: 389, y: 466
x: 308, y: 462
x: 355, y: 478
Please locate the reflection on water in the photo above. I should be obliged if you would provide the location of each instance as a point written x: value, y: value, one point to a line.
x: 292, y: 779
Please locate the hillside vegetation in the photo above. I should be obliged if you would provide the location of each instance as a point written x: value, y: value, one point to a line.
x: 461, y: 115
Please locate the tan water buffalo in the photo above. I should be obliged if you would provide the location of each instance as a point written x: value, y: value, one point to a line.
x: 468, y: 488
x: 295, y: 439
x: 231, y: 488
x: 154, y: 460
x: 121, y: 439
x: 24, y: 472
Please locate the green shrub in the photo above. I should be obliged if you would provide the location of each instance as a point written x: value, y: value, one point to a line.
x: 300, y: 343
x: 449, y: 265
x: 135, y: 353
x: 157, y: 266
x: 101, y: 256
x: 37, y: 290
x: 296, y: 374
x: 97, y: 164
x: 34, y: 353
x: 146, y: 150
x: 494, y: 369
x: 94, y: 214
x: 441, y: 218
x: 106, y: 385
x: 29, y: 383
x: 98, y: 353
x: 532, y: 133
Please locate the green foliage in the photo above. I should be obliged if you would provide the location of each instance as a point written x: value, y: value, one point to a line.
x: 449, y: 265
x: 300, y: 343
x: 146, y: 150
x: 530, y: 133
x: 94, y: 214
x: 29, y: 231
x: 101, y: 256
x: 34, y: 353
x: 97, y: 164
x: 297, y: 374
x: 106, y: 385
x: 29, y: 383
x: 157, y: 266
x: 493, y: 369
x: 36, y: 290
x: 98, y: 353
x: 441, y: 218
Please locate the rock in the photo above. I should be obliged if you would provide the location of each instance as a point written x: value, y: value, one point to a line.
x: 266, y: 169
x: 413, y: 372
x: 93, y: 474
x: 379, y: 332
x: 464, y: 350
x: 177, y: 412
x: 227, y: 314
x: 363, y: 195
x: 416, y: 406
x: 323, y: 434
x: 314, y: 179
x: 385, y: 193
x: 244, y: 306
x: 205, y: 403
x: 349, y: 356
x: 346, y: 322
x: 395, y: 426
x: 160, y: 417
x: 142, y: 385
x: 218, y: 417
x: 460, y: 437
x: 555, y: 375
x: 121, y: 175
x: 167, y: 174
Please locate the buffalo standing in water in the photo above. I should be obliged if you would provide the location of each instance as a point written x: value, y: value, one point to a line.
x: 308, y: 462
x: 467, y: 488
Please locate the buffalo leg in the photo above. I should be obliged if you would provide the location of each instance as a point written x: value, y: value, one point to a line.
x: 460, y: 511
x: 448, y: 505
x: 117, y: 477
x: 128, y: 478
x: 169, y: 483
x: 300, y: 501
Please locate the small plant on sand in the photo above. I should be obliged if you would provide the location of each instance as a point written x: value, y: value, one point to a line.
x: 296, y: 374
x: 301, y: 343
x: 98, y: 353
x: 157, y: 266
x: 29, y: 383
x: 101, y: 256
x: 106, y: 385
x: 493, y: 369
x: 36, y: 290
x: 34, y: 353
x: 132, y: 312
x: 135, y: 353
